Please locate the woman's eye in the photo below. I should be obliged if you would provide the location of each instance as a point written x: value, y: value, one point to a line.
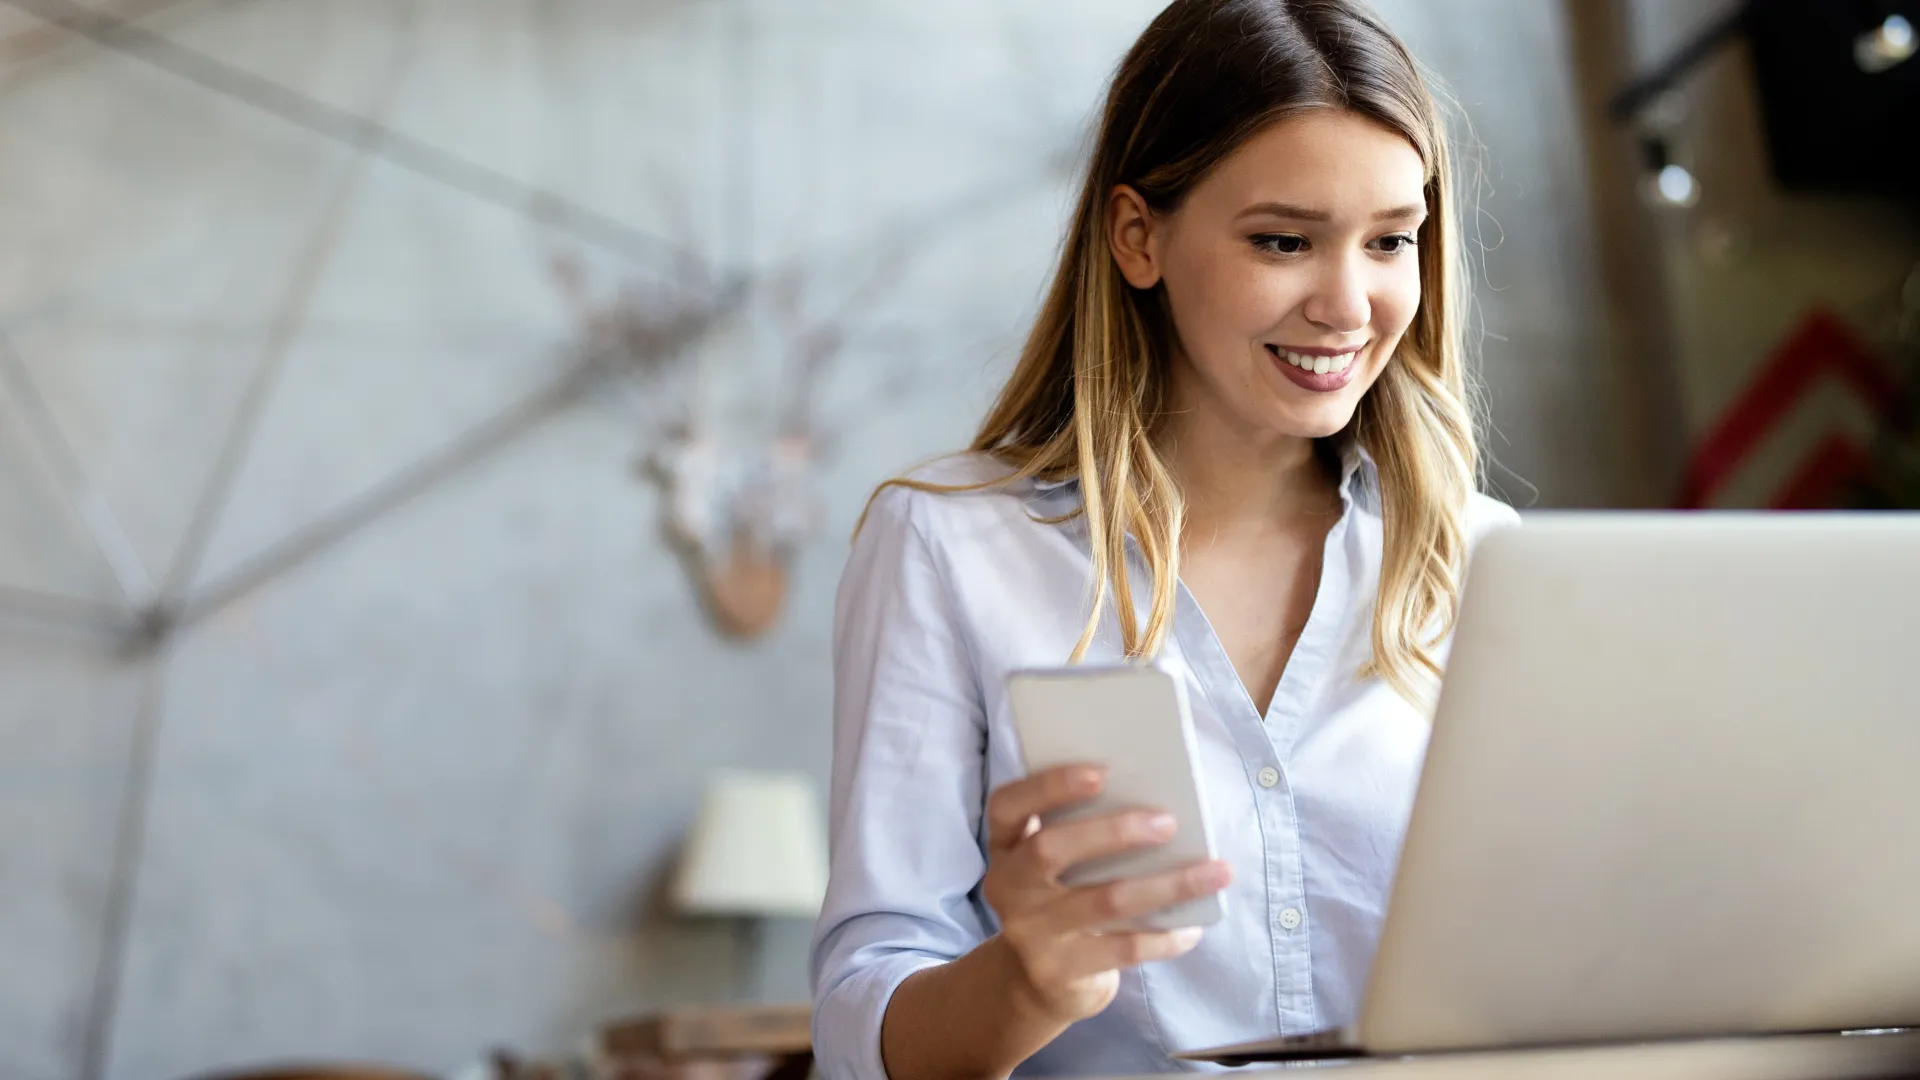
x: 1281, y: 244
x: 1397, y: 244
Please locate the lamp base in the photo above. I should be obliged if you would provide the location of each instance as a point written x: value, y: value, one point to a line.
x: 749, y: 936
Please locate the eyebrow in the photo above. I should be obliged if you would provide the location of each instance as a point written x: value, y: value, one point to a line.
x: 1302, y: 213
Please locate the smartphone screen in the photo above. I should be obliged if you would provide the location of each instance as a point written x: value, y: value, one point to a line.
x: 1132, y: 719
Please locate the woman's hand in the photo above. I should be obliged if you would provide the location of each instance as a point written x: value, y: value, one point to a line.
x: 1070, y: 971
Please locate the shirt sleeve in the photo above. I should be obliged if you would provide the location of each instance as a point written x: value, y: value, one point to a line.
x: 907, y: 795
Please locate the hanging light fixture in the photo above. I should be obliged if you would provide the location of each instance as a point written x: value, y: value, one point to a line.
x: 1664, y: 184
x: 1887, y: 46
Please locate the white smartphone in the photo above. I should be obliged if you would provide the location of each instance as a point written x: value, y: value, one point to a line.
x: 1133, y: 719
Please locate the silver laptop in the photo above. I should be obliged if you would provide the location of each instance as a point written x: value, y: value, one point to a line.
x: 1673, y: 791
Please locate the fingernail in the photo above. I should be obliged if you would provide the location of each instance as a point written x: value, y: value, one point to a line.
x: 1213, y: 875
x: 1161, y: 826
x: 1187, y: 937
x: 1087, y: 780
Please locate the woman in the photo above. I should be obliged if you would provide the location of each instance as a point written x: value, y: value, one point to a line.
x: 1239, y: 443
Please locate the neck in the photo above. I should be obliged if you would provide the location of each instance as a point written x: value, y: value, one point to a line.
x: 1232, y: 483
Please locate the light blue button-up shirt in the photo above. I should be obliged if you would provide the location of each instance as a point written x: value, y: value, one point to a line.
x: 943, y: 596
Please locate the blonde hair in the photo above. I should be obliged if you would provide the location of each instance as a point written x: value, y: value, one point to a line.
x: 1088, y: 391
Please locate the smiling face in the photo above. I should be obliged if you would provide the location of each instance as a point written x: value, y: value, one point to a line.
x: 1291, y: 273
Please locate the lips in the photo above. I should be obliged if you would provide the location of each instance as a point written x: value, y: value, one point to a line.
x: 1321, y: 373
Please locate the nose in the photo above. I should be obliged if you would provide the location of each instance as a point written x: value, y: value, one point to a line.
x: 1339, y: 303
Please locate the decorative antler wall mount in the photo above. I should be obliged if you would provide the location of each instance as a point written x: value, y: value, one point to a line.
x: 736, y: 508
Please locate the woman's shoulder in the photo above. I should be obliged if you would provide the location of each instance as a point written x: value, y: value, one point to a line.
x: 1486, y: 514
x: 967, y: 469
x: 952, y: 493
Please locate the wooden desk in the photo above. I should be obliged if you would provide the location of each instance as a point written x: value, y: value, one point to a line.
x: 1794, y: 1057
x: 712, y: 1043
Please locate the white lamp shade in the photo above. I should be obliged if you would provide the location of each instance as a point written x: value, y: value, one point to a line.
x: 758, y: 848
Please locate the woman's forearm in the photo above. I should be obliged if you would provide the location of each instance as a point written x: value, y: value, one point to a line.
x: 969, y: 1019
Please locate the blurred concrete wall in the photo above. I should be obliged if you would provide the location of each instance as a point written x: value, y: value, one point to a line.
x: 412, y: 796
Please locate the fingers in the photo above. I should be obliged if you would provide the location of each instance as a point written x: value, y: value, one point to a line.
x: 1049, y: 852
x: 1094, y: 954
x: 1012, y: 806
x: 1095, y: 906
x: 1061, y: 962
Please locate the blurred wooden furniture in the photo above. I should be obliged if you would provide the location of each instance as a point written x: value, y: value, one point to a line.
x: 315, y: 1073
x: 711, y: 1043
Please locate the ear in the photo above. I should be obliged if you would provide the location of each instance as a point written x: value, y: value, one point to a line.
x: 1133, y: 234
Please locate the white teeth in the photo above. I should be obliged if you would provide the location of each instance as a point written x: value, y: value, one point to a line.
x: 1319, y: 365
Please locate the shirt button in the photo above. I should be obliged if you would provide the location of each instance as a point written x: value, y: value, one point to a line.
x: 1269, y: 777
x: 1290, y: 919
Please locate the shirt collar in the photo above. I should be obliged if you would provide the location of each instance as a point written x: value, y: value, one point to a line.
x: 1359, y: 476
